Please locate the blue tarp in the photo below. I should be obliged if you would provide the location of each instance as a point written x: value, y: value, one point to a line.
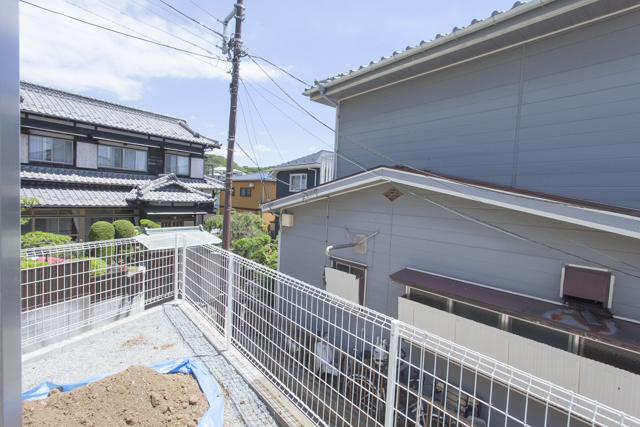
x: 209, y: 386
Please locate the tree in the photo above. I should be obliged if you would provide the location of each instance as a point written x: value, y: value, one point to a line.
x: 149, y: 224
x: 27, y: 204
x: 38, y: 239
x: 243, y: 225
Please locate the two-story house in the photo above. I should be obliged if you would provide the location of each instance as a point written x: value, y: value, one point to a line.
x: 306, y: 172
x: 250, y: 191
x: 86, y: 160
x: 498, y: 202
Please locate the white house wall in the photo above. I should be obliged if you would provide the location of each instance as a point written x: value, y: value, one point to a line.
x: 565, y: 108
x: 87, y: 155
x: 24, y: 148
x: 418, y: 234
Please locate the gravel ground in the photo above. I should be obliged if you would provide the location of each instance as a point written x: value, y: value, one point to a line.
x: 167, y: 334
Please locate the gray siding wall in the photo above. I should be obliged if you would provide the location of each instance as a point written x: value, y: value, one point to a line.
x: 415, y: 233
x: 561, y: 116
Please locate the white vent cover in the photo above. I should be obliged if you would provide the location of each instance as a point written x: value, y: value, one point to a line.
x: 287, y: 220
x: 361, y: 248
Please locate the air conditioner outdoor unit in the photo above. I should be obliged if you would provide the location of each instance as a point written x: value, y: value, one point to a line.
x: 287, y: 220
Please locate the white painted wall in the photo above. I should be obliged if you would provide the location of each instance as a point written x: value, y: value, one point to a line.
x: 87, y: 155
x: 197, y: 168
x: 24, y: 148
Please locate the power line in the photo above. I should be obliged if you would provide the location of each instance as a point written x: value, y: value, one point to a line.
x: 137, y: 32
x: 281, y: 69
x: 121, y: 33
x: 165, y: 19
x: 262, y: 120
x: 190, y: 18
x: 198, y: 6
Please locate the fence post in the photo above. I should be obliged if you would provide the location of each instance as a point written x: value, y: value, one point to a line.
x: 175, y: 272
x: 184, y: 265
x: 229, y: 313
x: 394, y: 344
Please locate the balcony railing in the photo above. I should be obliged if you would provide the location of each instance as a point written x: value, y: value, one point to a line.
x: 341, y: 363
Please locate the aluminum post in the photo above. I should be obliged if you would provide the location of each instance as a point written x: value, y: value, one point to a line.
x: 229, y: 314
x: 394, y: 344
x: 176, y: 273
x: 184, y: 264
x: 10, y: 356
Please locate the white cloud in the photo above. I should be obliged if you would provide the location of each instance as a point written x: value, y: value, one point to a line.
x: 67, y: 54
x: 312, y: 149
x: 263, y: 148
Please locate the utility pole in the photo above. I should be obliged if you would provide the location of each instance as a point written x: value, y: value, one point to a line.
x: 236, y: 43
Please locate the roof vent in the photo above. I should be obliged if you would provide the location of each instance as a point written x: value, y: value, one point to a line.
x: 392, y: 194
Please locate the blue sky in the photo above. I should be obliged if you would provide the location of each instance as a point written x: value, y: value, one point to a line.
x: 311, y: 40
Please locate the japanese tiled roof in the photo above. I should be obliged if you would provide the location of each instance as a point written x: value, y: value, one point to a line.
x: 123, y: 179
x: 52, y: 195
x: 52, y: 102
x: 167, y: 188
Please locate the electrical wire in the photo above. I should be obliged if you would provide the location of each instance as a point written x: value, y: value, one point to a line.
x: 198, y: 6
x: 137, y: 32
x: 167, y: 20
x: 281, y: 69
x: 192, y: 19
x: 121, y: 33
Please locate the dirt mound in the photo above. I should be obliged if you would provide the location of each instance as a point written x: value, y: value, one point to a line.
x: 138, y: 396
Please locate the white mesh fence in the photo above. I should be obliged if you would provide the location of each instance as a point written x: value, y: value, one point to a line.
x: 341, y: 363
x: 346, y: 365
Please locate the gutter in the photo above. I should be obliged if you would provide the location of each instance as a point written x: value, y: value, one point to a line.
x: 455, y: 35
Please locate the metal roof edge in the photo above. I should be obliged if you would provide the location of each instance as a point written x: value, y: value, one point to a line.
x: 568, y: 213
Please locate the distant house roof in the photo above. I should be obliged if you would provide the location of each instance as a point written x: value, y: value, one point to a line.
x: 613, y: 219
x: 52, y: 195
x: 52, y: 102
x: 311, y: 160
x: 97, y: 177
x: 167, y: 188
x: 156, y: 239
x: 258, y: 176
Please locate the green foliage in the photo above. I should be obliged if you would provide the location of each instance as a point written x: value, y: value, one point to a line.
x: 27, y: 204
x: 38, y: 239
x: 101, y: 230
x: 29, y: 263
x: 247, y: 246
x: 149, y: 224
x: 123, y: 229
x: 243, y: 225
x: 217, y: 161
x: 97, y: 266
x: 267, y: 256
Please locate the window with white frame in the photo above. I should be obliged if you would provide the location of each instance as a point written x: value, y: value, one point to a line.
x: 346, y: 280
x: 52, y: 150
x: 176, y: 164
x: 122, y: 158
x: 297, y: 182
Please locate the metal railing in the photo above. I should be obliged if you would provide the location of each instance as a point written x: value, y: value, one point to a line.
x: 67, y: 288
x: 340, y: 363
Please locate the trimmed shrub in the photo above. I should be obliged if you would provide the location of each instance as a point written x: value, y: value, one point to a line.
x: 37, y: 239
x: 29, y: 263
x: 97, y: 266
x: 101, y: 230
x: 149, y: 224
x: 123, y: 229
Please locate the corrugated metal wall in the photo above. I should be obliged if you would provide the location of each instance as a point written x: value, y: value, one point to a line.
x: 575, y: 95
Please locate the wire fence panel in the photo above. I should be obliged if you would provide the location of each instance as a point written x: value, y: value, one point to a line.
x: 341, y: 363
x: 66, y: 288
x: 346, y: 365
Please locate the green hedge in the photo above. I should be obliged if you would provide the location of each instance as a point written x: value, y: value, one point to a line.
x: 37, y: 239
x: 101, y: 230
x: 149, y: 224
x: 123, y: 229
